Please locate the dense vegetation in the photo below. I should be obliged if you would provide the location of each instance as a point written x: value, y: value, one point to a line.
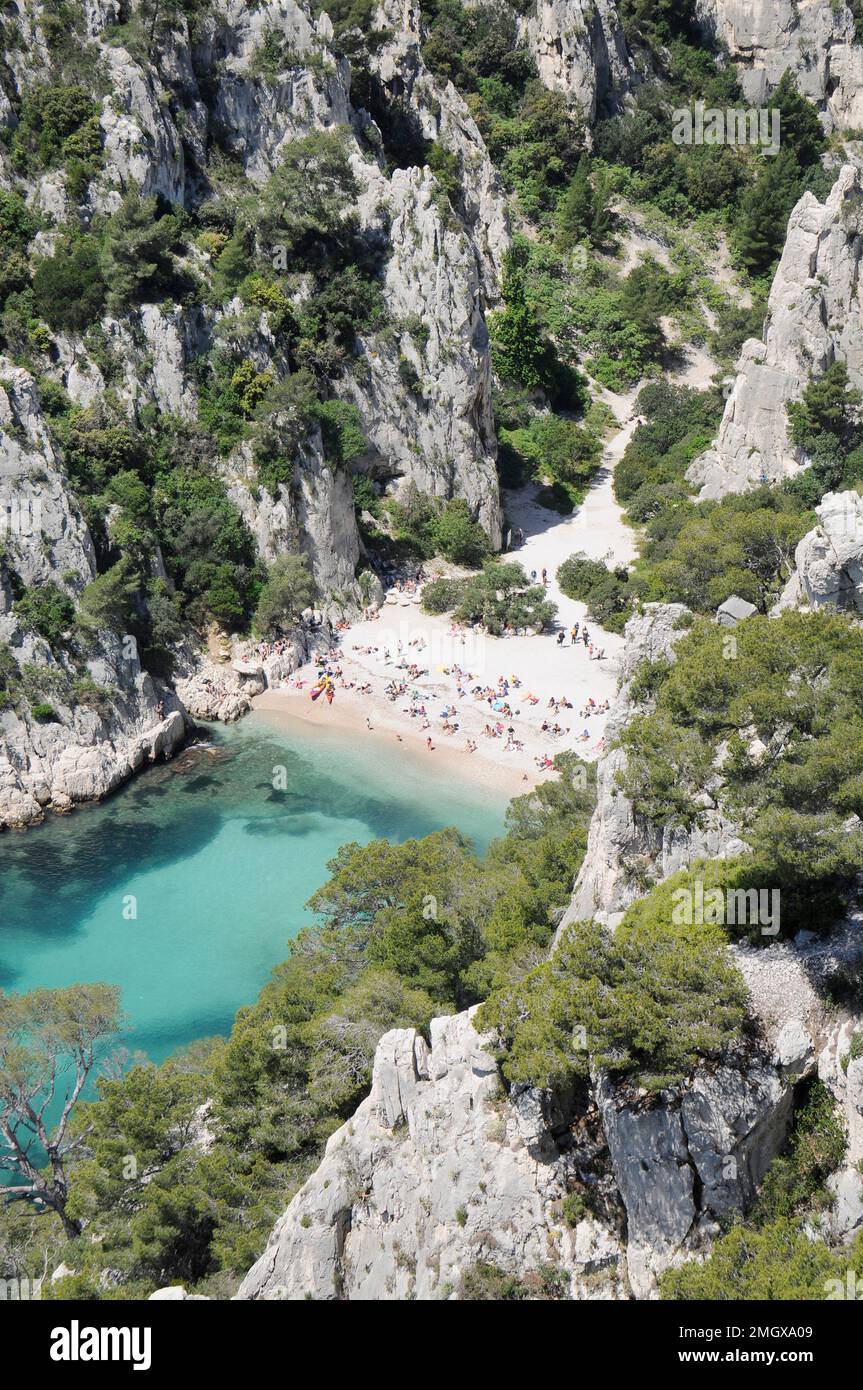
x: 645, y: 1003
x: 780, y: 701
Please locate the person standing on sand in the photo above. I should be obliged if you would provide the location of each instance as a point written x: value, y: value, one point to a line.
x: 574, y: 633
x: 429, y: 745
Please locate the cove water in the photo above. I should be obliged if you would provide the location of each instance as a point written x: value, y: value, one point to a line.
x: 217, y: 866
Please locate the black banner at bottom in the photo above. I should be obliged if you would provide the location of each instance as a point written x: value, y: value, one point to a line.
x: 159, y: 1338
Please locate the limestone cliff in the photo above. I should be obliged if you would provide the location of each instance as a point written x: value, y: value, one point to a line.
x: 73, y: 724
x: 828, y: 561
x: 440, y: 1169
x: 819, y: 42
x: 813, y: 319
x: 580, y: 50
x: 195, y: 96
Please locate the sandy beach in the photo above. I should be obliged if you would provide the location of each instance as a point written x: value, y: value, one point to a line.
x: 454, y: 663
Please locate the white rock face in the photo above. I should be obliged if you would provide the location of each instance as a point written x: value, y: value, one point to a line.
x: 440, y: 437
x: 438, y: 1169
x: 313, y: 514
x: 813, y: 319
x: 443, y: 116
x: 829, y: 559
x: 580, y: 50
x: 84, y: 752
x: 814, y: 38
x: 842, y: 1071
x: 432, y: 1174
x: 142, y: 143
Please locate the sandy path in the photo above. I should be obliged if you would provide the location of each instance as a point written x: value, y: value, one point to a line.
x: 545, y: 669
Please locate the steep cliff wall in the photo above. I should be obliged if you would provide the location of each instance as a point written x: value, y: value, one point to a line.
x: 819, y: 42
x: 106, y: 717
x: 813, y: 319
x: 580, y: 50
x: 440, y: 1169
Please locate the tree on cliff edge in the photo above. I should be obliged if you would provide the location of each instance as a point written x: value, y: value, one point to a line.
x: 48, y: 1047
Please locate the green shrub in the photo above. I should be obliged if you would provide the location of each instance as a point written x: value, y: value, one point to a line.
x: 288, y: 589
x: 135, y: 258
x: 68, y: 288
x: 484, y: 1282
x: 47, y: 610
x: 342, y: 429
x: 789, y: 687
x: 50, y: 119
x: 109, y: 599
x: 646, y: 1003
x: 441, y: 595
x: 457, y: 537
x: 795, y: 1184
x: 606, y: 592
x: 573, y: 1208
x: 779, y: 1263
x: 499, y: 598
x: 43, y: 713
x: 558, y: 449
x: 522, y: 353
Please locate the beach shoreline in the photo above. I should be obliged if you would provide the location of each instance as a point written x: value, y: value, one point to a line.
x: 289, y: 708
x: 496, y: 710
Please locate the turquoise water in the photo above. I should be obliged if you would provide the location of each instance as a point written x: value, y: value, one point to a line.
x: 216, y: 864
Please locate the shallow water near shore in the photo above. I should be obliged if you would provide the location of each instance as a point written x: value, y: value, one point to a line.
x: 185, y: 887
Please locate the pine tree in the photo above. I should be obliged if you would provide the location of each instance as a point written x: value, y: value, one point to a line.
x: 575, y: 209
x: 764, y: 212
x: 135, y: 251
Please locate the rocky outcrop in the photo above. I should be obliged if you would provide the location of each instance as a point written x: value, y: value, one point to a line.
x: 215, y: 690
x: 828, y: 561
x: 442, y: 115
x: 692, y: 1158
x: 437, y: 433
x: 813, y: 319
x: 439, y: 1170
x: 76, y: 721
x: 314, y: 515
x: 817, y: 41
x: 435, y: 1172
x: 840, y: 1066
x: 580, y: 50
